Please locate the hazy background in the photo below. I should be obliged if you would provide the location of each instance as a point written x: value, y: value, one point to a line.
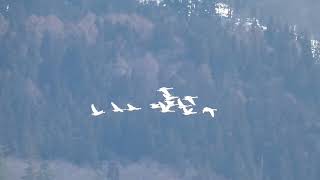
x: 58, y: 57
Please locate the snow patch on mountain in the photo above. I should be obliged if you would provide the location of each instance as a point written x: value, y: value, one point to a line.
x: 150, y: 1
x: 223, y: 10
x: 250, y: 23
x: 315, y: 50
x: 226, y: 12
x: 294, y: 31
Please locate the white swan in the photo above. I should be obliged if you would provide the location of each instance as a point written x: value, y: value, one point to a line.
x: 95, y: 112
x: 155, y: 106
x: 181, y: 105
x: 190, y: 99
x: 188, y: 112
x: 169, y: 97
x: 166, y: 94
x: 170, y: 103
x: 132, y: 108
x: 165, y: 108
x: 209, y: 110
x: 164, y: 90
x: 116, y: 108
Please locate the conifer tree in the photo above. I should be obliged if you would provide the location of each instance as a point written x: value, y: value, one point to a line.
x: 44, y: 172
x: 29, y: 171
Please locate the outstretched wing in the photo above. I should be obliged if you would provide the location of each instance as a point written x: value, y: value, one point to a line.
x: 154, y: 106
x: 130, y: 106
x: 94, y: 110
x: 115, y: 107
x: 204, y: 110
x: 190, y: 99
x: 209, y: 110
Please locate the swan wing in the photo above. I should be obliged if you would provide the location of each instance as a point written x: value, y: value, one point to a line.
x: 93, y: 108
x: 130, y: 106
x: 115, y: 107
x: 205, y: 110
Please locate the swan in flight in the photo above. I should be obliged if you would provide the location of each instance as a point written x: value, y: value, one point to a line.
x: 165, y: 108
x: 170, y: 103
x: 116, y: 108
x: 188, y: 112
x: 181, y: 105
x: 155, y: 106
x: 164, y: 90
x: 169, y: 97
x: 132, y: 108
x: 95, y: 112
x: 209, y: 110
x: 166, y: 94
x: 190, y: 99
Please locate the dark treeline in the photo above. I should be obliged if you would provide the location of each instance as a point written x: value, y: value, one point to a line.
x: 58, y: 57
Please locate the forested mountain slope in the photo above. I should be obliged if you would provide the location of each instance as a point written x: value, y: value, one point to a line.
x: 59, y: 57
